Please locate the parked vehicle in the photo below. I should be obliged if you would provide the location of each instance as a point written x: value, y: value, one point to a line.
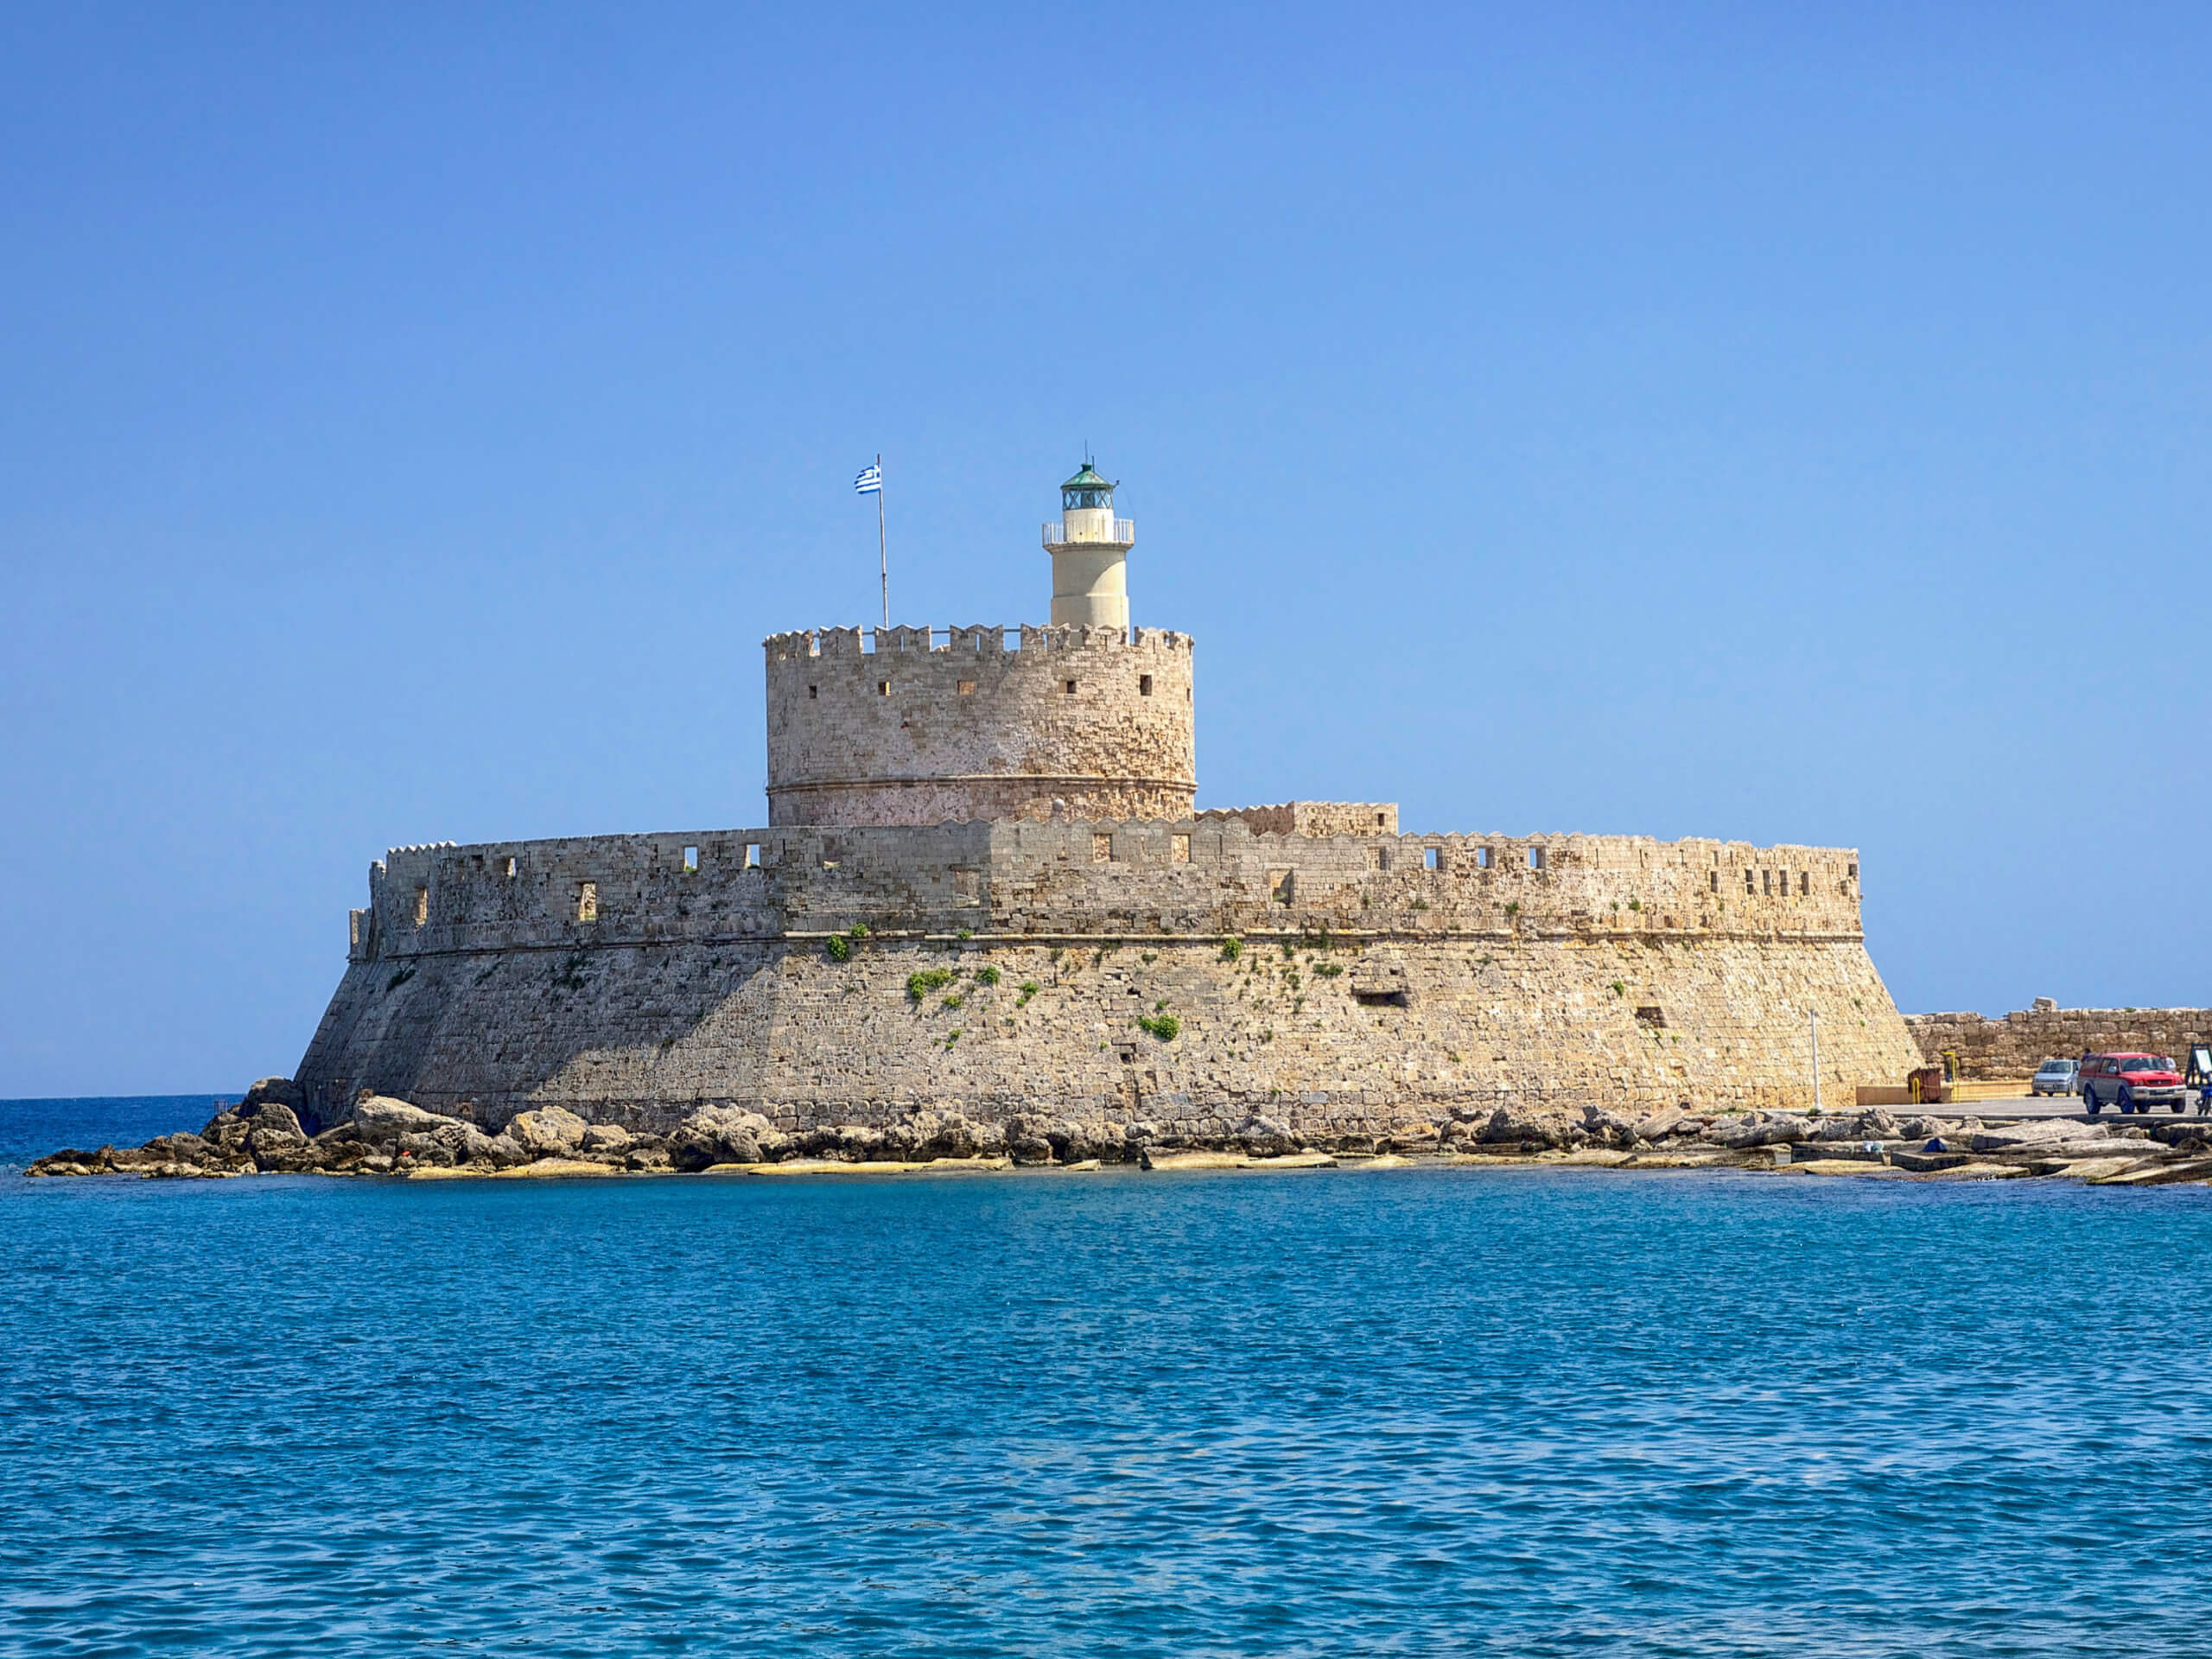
x: 2053, y: 1077
x: 2134, y: 1083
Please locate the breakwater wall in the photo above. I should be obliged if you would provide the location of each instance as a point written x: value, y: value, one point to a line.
x: 2013, y: 1045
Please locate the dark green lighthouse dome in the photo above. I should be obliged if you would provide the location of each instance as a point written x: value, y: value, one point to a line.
x: 1086, y: 489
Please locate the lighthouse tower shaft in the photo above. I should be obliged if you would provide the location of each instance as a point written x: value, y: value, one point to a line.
x: 1090, y: 549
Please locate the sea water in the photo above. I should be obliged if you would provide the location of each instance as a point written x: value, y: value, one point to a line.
x: 1402, y: 1411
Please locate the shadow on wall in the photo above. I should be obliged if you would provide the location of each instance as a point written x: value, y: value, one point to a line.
x: 483, y: 1036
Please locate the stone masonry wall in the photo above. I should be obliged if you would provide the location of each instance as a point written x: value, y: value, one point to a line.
x: 634, y: 977
x: 914, y: 732
x: 1312, y: 818
x: 2015, y: 1044
x: 643, y: 1035
x: 1207, y: 877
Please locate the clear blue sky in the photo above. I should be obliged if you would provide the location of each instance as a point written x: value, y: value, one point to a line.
x: 1687, y: 420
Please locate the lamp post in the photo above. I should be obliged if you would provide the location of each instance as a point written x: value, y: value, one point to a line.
x: 1814, y: 1015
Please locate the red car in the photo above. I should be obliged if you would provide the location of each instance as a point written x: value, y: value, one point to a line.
x: 2134, y: 1083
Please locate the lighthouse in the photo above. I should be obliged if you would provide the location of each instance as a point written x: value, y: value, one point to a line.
x: 1090, y: 549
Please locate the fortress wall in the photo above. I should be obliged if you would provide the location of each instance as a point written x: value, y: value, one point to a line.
x: 1610, y: 969
x: 530, y: 894
x: 643, y: 1035
x: 891, y: 736
x: 2014, y: 1045
x: 1312, y: 818
x: 483, y: 1033
x: 1210, y: 877
x: 1215, y: 876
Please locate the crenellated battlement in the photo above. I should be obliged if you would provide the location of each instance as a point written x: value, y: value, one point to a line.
x: 1312, y: 818
x: 1207, y: 877
x: 974, y: 639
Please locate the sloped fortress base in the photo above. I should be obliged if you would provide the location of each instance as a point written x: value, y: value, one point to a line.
x: 1190, y: 974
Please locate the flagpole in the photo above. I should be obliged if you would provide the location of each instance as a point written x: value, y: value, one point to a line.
x: 882, y: 548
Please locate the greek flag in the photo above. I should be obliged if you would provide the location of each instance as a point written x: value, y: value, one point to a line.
x: 870, y: 482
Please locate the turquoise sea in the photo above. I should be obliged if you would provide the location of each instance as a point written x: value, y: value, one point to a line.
x: 1403, y: 1412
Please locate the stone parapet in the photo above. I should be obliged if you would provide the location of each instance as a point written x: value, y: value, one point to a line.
x: 1206, y: 877
x: 1312, y: 818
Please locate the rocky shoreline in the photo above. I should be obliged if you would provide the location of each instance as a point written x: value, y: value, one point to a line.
x: 262, y: 1135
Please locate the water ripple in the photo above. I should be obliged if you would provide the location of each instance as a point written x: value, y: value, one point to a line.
x: 1417, y: 1413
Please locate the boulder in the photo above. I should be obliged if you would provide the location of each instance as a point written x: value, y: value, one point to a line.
x: 274, y: 1091
x: 1543, y: 1126
x: 611, y: 1138
x: 184, y: 1149
x: 418, y: 1147
x: 548, y: 1132
x: 227, y: 1130
x: 277, y: 1143
x: 382, y: 1120
x: 1611, y: 1128
x: 278, y: 1156
x: 1028, y: 1139
x: 1266, y: 1137
x: 940, y: 1135
x: 340, y: 1150
x: 1076, y: 1141
x: 272, y: 1116
x: 73, y: 1161
x: 1668, y: 1119
x: 848, y: 1143
x: 855, y: 1143
x: 962, y: 1137
x: 222, y: 1143
x: 723, y: 1135
x: 1872, y: 1124
x: 1762, y: 1129
x: 2033, y: 1137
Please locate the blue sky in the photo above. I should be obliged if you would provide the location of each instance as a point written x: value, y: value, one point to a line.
x: 1775, y: 424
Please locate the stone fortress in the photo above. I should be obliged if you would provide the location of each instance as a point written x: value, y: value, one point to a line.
x: 984, y: 887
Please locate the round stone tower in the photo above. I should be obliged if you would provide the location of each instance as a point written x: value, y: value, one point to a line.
x: 1090, y: 550
x: 1085, y: 719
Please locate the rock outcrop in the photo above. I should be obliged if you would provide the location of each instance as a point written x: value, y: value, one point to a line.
x: 1534, y: 1127
x: 723, y: 1135
x: 550, y: 1131
x: 381, y: 1134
